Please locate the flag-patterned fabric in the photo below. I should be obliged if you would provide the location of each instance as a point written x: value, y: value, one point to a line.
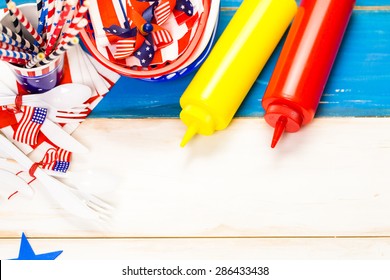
x: 56, y: 159
x: 30, y: 124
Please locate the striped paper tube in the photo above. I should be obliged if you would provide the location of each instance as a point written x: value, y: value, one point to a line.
x: 18, y: 61
x: 50, y: 14
x: 69, y: 18
x: 23, y: 20
x: 58, y: 26
x: 39, y: 57
x: 15, y: 21
x: 57, y: 12
x: 39, y: 6
x: 15, y: 54
x: 74, y: 31
x: 9, y: 47
x: 42, y: 19
x: 5, y: 39
x: 60, y: 50
x: 25, y: 43
x: 78, y: 17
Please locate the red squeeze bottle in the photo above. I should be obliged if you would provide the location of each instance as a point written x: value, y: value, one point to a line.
x: 294, y: 91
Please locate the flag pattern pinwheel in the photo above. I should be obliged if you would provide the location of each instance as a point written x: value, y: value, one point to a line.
x: 147, y: 30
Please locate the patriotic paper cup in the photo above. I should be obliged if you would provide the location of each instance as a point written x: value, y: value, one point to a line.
x: 38, y: 79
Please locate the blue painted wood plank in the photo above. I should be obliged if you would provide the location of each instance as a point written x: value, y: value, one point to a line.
x: 236, y: 3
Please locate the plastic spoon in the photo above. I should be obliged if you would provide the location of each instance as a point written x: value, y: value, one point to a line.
x: 62, y: 97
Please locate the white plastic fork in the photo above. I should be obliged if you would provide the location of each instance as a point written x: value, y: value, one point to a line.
x: 69, y: 116
x: 74, y: 203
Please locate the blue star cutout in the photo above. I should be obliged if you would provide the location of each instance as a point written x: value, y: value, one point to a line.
x: 27, y: 253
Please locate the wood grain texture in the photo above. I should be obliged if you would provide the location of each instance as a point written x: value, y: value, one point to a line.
x: 207, y: 249
x: 330, y: 179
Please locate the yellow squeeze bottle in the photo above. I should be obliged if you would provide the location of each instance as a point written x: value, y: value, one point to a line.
x: 214, y: 95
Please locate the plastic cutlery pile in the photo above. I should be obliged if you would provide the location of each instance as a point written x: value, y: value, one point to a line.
x: 46, y: 121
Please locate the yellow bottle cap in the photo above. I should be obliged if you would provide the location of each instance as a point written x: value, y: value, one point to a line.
x: 198, y: 120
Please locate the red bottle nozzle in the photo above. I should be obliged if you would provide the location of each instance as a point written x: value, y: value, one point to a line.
x: 280, y: 126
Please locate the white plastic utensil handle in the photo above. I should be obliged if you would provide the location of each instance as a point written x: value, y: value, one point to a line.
x: 57, y: 190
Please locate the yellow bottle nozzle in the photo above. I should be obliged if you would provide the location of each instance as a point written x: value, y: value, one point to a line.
x: 191, y: 132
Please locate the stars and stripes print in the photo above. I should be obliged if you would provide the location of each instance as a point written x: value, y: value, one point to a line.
x: 185, y: 6
x: 162, y: 11
x: 145, y: 54
x: 174, y: 17
x: 162, y: 38
x: 30, y: 124
x: 57, y: 160
x: 124, y: 48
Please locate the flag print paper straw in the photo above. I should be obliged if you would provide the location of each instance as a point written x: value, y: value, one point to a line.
x: 74, y: 31
x: 69, y: 18
x: 50, y: 14
x: 15, y: 54
x: 23, y: 42
x: 57, y: 12
x: 42, y: 19
x: 76, y: 20
x: 39, y: 57
x: 79, y: 14
x: 58, y: 26
x: 61, y: 49
x: 23, y: 20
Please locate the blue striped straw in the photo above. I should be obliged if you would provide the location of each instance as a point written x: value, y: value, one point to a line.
x: 25, y: 44
x: 15, y: 54
x: 5, y: 39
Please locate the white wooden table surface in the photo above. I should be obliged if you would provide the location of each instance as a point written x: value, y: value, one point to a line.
x: 323, y: 193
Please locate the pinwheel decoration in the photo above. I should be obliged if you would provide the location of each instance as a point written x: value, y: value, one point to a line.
x: 143, y: 32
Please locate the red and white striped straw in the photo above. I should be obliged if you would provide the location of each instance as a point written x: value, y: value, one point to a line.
x: 18, y: 61
x: 58, y: 26
x: 50, y: 15
x: 69, y: 18
x: 57, y: 11
x: 74, y: 31
x: 79, y: 15
x: 23, y: 20
x: 9, y: 47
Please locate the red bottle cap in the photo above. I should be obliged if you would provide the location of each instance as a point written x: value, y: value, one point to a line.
x: 282, y: 118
